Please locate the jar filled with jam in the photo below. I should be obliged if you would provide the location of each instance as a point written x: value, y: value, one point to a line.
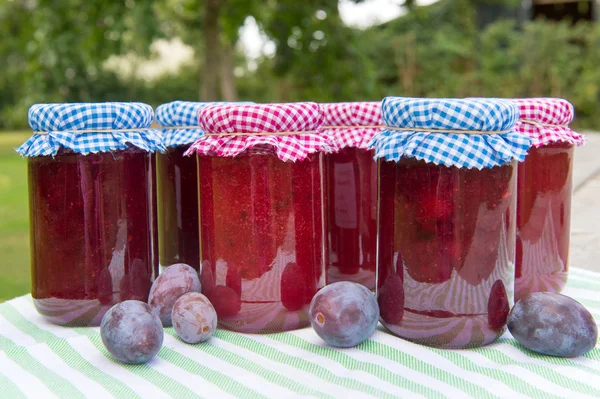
x: 447, y: 196
x: 91, y: 208
x: 260, y: 171
x: 351, y: 191
x: 177, y: 184
x: 545, y: 184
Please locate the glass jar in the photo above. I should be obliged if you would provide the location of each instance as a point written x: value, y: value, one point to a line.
x: 351, y: 210
x: 446, y: 218
x: 261, y: 240
x: 92, y: 208
x: 177, y: 180
x: 446, y: 253
x: 262, y: 232
x: 351, y: 191
x: 92, y: 232
x: 545, y: 183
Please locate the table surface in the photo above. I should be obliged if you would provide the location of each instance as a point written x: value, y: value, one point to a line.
x: 41, y: 360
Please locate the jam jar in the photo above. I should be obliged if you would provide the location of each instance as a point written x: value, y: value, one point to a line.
x: 351, y: 192
x: 544, y: 190
x: 260, y: 170
x: 446, y: 218
x: 177, y: 184
x: 92, y: 216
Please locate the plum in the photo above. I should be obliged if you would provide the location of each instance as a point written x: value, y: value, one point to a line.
x: 175, y: 281
x: 344, y: 314
x: 132, y: 332
x: 194, y: 318
x: 553, y: 324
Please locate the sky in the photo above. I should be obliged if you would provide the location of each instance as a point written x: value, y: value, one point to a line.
x: 372, y: 12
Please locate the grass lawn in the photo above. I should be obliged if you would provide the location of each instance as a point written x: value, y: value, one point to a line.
x: 14, y: 218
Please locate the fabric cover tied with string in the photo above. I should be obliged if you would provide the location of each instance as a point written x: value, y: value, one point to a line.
x: 471, y: 133
x: 90, y: 128
x: 351, y: 124
x: 179, y: 120
x: 546, y: 120
x: 287, y: 130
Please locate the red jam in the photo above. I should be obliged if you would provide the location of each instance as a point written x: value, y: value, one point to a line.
x: 177, y: 180
x: 545, y: 183
x: 446, y: 259
x: 261, y: 240
x: 92, y: 220
x: 351, y: 211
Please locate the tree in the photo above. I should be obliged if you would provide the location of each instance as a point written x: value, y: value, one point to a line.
x: 212, y: 29
x: 57, y: 47
x: 291, y: 24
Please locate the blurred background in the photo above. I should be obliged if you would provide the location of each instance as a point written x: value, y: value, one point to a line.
x: 274, y: 51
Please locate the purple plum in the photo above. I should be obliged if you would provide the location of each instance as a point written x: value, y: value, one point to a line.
x: 172, y: 283
x: 194, y: 318
x: 132, y: 332
x: 344, y: 314
x: 553, y: 324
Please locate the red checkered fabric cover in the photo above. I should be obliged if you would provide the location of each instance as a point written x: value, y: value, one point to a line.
x: 555, y: 114
x: 304, y: 118
x: 351, y: 114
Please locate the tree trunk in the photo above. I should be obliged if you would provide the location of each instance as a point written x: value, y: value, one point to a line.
x: 228, y: 88
x: 210, y: 70
x: 406, y: 62
x: 283, y: 90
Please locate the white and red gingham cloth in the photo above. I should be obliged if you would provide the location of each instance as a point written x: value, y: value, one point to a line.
x: 358, y: 122
x: 305, y: 118
x: 547, y: 121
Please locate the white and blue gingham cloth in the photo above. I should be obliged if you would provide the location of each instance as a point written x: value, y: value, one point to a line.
x: 450, y: 149
x: 176, y: 114
x: 73, y: 126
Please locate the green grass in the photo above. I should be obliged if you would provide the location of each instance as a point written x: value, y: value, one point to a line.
x: 14, y: 218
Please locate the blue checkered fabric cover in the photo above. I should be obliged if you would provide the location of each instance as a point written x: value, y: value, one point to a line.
x: 451, y: 149
x: 176, y: 114
x: 64, y: 123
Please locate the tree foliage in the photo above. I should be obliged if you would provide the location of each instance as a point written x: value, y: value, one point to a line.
x: 53, y: 50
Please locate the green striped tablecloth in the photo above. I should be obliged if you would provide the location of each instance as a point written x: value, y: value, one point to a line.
x: 42, y: 360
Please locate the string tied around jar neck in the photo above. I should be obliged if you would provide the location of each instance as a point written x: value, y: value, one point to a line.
x: 407, y: 129
x: 296, y: 133
x: 138, y: 129
x: 448, y: 131
x: 402, y: 129
x: 418, y: 129
x: 536, y: 123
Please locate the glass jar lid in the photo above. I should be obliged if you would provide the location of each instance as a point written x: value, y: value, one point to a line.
x: 546, y: 121
x: 90, y: 128
x: 466, y: 133
x: 287, y: 130
x: 351, y: 124
x: 180, y: 120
